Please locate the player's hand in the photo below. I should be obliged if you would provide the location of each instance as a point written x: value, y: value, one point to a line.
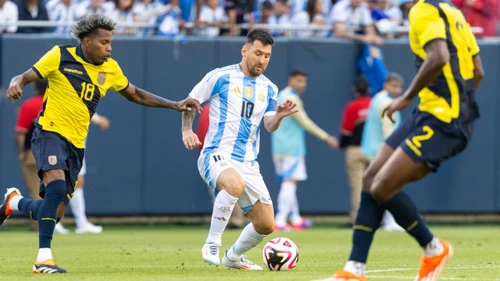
x: 286, y: 108
x: 190, y: 139
x: 332, y: 142
x: 188, y: 105
x: 397, y: 104
x: 22, y: 156
x: 14, y: 92
x: 104, y: 123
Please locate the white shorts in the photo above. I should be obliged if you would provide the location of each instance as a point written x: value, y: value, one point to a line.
x: 211, y: 166
x: 290, y: 167
x: 83, y: 170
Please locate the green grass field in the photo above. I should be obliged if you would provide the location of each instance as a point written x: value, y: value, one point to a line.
x: 173, y: 253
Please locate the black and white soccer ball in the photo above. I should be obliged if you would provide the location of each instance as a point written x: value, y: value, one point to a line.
x: 280, y: 254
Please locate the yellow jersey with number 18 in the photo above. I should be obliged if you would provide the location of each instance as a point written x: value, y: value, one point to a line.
x: 450, y: 97
x: 74, y: 90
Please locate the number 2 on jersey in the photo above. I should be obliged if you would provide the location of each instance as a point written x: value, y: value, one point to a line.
x: 428, y: 134
x: 87, y: 92
x: 247, y: 109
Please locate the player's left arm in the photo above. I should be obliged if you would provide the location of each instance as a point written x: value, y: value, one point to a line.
x: 142, y: 97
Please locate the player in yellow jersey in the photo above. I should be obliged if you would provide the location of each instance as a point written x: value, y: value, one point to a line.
x: 449, y: 72
x: 79, y: 76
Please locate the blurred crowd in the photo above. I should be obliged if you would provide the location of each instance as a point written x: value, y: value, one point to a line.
x: 368, y: 21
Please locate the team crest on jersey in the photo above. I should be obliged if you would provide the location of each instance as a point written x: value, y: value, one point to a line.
x: 52, y: 160
x: 101, y: 78
x: 248, y: 92
x: 262, y: 96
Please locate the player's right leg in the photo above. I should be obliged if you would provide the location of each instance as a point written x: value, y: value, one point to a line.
x: 219, y: 174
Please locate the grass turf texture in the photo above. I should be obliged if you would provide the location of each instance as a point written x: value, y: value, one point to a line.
x: 174, y: 253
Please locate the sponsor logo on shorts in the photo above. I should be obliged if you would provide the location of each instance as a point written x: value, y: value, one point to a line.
x: 52, y: 160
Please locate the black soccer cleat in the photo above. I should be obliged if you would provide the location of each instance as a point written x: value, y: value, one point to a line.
x: 5, y: 210
x: 47, y: 267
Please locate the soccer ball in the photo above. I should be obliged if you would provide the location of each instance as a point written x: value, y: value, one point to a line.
x: 280, y: 254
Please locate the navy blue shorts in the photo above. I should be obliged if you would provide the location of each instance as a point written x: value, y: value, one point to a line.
x: 426, y: 139
x: 54, y: 152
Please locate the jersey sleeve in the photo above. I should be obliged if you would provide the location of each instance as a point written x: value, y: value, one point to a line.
x: 474, y: 48
x: 207, y: 87
x: 120, y: 81
x: 48, y: 63
x: 272, y: 100
x: 426, y: 24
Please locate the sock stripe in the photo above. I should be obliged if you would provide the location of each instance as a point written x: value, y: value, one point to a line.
x: 412, y: 226
x: 49, y: 219
x: 362, y: 227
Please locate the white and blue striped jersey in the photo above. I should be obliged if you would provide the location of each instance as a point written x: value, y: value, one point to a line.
x: 237, y: 106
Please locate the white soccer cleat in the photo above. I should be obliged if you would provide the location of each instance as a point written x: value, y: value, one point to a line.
x: 241, y: 263
x: 89, y: 228
x: 60, y: 229
x: 210, y: 252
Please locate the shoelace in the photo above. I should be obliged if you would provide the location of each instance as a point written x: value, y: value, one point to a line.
x: 213, y: 249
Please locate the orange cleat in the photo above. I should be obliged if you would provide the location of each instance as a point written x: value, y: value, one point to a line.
x: 431, y: 267
x: 343, y: 275
x: 5, y: 210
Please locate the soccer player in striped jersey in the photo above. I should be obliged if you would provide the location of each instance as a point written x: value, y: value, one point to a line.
x: 240, y: 97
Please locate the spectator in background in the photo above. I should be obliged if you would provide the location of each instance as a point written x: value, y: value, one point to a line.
x: 61, y: 11
x: 8, y: 14
x: 122, y: 13
x: 313, y: 16
x: 170, y: 21
x: 32, y: 10
x: 212, y: 17
x: 237, y: 217
x: 351, y: 133
x: 264, y: 15
x: 147, y: 11
x: 28, y: 112
x: 351, y: 19
x: 281, y: 16
x: 378, y: 127
x: 90, y: 7
x: 480, y: 13
x: 239, y: 11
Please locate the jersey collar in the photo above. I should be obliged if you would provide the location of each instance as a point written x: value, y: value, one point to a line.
x: 79, y: 52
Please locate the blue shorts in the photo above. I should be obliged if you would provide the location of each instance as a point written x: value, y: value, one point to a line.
x: 426, y: 139
x: 54, y: 152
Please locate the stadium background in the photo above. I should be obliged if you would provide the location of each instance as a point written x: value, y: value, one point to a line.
x: 139, y: 167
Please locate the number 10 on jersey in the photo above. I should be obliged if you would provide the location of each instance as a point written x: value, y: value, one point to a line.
x: 87, y: 92
x: 247, y: 109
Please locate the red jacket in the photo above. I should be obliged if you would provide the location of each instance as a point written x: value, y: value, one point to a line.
x: 483, y: 13
x: 203, y: 125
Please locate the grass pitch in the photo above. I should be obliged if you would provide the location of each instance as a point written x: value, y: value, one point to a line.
x: 174, y: 253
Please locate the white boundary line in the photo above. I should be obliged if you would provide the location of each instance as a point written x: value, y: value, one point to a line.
x: 401, y: 277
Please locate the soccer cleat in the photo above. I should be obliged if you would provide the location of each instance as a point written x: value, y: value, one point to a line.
x: 210, y: 252
x: 282, y: 227
x: 343, y: 275
x: 302, y: 225
x: 47, y: 267
x: 241, y: 263
x: 89, y: 228
x: 5, y: 210
x: 60, y: 229
x: 431, y: 267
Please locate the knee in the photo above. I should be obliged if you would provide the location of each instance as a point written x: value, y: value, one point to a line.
x: 265, y: 228
x: 234, y: 187
x: 377, y: 190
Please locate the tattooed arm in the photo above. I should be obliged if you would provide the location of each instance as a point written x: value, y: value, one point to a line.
x: 189, y: 138
x: 145, y: 98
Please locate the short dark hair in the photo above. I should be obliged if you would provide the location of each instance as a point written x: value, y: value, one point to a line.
x: 262, y: 35
x: 40, y: 86
x: 89, y: 24
x: 267, y: 5
x: 284, y: 2
x: 362, y: 86
x: 296, y: 72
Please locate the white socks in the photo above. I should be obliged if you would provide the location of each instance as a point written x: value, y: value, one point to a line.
x: 434, y: 248
x: 14, y: 202
x: 357, y: 268
x: 44, y: 254
x: 248, y: 239
x: 77, y: 204
x: 223, y: 208
x: 286, y: 199
x: 295, y: 217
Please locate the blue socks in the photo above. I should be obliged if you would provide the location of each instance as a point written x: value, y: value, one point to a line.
x: 30, y: 207
x: 47, y: 218
x: 369, y: 217
x: 406, y: 215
